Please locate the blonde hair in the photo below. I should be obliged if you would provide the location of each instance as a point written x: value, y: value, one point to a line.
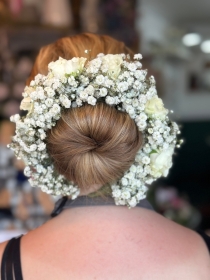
x: 91, y: 144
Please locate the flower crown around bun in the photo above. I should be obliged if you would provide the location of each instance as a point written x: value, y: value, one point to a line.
x: 115, y: 80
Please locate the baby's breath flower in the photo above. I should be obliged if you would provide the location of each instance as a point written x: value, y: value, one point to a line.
x: 132, y: 202
x: 142, y: 98
x: 41, y: 146
x: 102, y: 92
x: 142, y: 125
x: 91, y: 100
x: 116, y: 193
x: 130, y: 81
x: 99, y: 79
x: 83, y: 95
x: 40, y: 93
x: 122, y: 86
x: 126, y: 194
x: 55, y: 109
x: 27, y: 171
x: 90, y: 90
x: 110, y: 79
x: 49, y: 102
x: 124, y: 182
x: 132, y: 67
x: 146, y: 160
x: 33, y: 147
x: 15, y: 118
x: 79, y: 102
x: 137, y: 56
x: 110, y: 100
x: 38, y: 110
x: 50, y: 92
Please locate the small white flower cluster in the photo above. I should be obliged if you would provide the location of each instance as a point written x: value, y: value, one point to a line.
x: 115, y: 80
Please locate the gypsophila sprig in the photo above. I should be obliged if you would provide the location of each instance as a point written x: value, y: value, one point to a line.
x: 115, y: 80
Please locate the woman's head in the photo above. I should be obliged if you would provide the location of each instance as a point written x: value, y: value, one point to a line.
x: 90, y: 145
x: 88, y: 116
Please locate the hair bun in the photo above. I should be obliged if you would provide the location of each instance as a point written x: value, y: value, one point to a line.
x: 87, y: 144
x: 93, y: 144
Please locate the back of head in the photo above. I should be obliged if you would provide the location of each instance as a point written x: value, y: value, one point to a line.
x: 82, y: 45
x: 90, y: 145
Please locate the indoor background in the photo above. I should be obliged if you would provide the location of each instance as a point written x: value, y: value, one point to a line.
x: 174, y: 38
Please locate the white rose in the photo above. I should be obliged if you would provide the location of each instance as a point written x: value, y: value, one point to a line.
x: 27, y: 91
x: 155, y: 106
x: 58, y: 67
x: 75, y: 65
x: 161, y: 162
x: 113, y: 64
x: 26, y: 104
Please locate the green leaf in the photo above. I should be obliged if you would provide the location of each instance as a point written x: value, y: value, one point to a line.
x: 153, y: 152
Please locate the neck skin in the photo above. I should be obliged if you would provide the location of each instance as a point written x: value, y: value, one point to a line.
x: 89, y: 189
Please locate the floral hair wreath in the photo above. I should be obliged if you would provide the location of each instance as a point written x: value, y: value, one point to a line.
x: 117, y: 81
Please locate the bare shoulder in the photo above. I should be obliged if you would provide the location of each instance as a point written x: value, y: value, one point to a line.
x: 184, y: 246
x: 153, y: 246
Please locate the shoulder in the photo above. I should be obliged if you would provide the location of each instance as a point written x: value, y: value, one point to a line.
x: 153, y: 246
x: 149, y: 240
x: 169, y: 231
x: 181, y: 245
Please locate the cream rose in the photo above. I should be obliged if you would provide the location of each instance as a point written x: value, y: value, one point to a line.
x: 58, y: 67
x: 62, y: 66
x: 74, y: 65
x: 113, y: 63
x: 155, y: 106
x: 161, y: 162
x: 26, y: 104
x: 27, y: 91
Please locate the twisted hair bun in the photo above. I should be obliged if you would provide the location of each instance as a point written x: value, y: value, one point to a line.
x: 93, y: 144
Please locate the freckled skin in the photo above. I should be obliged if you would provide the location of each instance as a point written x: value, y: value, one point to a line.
x: 113, y: 243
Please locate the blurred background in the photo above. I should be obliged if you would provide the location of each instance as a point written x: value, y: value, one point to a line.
x: 174, y: 38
